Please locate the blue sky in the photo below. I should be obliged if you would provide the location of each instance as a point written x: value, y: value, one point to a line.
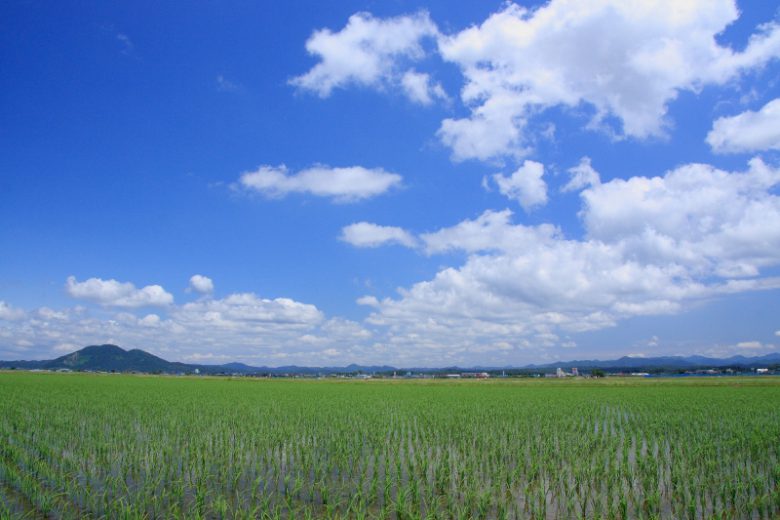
x: 411, y: 183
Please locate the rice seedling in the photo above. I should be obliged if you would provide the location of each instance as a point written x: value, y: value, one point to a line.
x: 76, y: 446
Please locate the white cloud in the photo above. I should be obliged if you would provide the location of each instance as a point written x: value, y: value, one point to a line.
x: 622, y: 61
x: 371, y: 301
x: 710, y: 221
x: 747, y: 132
x: 117, y: 294
x: 750, y: 345
x: 65, y: 348
x: 365, y: 234
x: 246, y: 308
x: 525, y: 185
x: 9, y: 313
x: 150, y: 320
x: 340, y: 184
x: 241, y: 326
x: 494, y: 129
x: 201, y: 284
x: 420, y: 89
x: 45, y: 313
x: 345, y: 329
x: 565, y: 284
x: 582, y: 176
x: 653, y: 246
x: 626, y: 60
x: 367, y: 52
x: 491, y: 231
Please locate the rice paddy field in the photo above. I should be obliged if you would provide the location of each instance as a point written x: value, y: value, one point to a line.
x: 101, y: 446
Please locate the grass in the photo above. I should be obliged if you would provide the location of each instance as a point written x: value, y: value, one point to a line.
x: 74, y: 446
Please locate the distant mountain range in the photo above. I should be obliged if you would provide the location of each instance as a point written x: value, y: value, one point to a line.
x: 676, y: 362
x: 111, y: 358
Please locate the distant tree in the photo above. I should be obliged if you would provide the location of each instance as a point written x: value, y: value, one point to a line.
x: 597, y: 372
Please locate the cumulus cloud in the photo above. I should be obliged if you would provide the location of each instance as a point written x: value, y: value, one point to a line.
x: 240, y: 326
x: 708, y: 220
x: 150, y: 320
x: 7, y: 312
x: 525, y: 185
x: 47, y: 314
x: 419, y: 88
x: 652, y: 246
x: 747, y: 132
x: 622, y: 61
x: 340, y: 184
x: 201, y: 284
x: 117, y: 294
x: 367, y: 52
x: 491, y: 231
x: 626, y: 60
x: 582, y: 176
x: 366, y: 234
x: 564, y: 284
x: 246, y: 308
x: 372, y: 301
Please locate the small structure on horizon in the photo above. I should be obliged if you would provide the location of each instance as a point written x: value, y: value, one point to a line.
x: 475, y: 375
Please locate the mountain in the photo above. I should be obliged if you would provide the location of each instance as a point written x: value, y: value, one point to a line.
x: 105, y: 358
x: 111, y: 358
x: 667, y: 362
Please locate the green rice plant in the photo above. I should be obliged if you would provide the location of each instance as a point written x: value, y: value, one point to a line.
x: 113, y: 446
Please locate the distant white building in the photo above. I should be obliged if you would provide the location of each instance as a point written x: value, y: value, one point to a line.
x: 559, y: 372
x: 762, y: 371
